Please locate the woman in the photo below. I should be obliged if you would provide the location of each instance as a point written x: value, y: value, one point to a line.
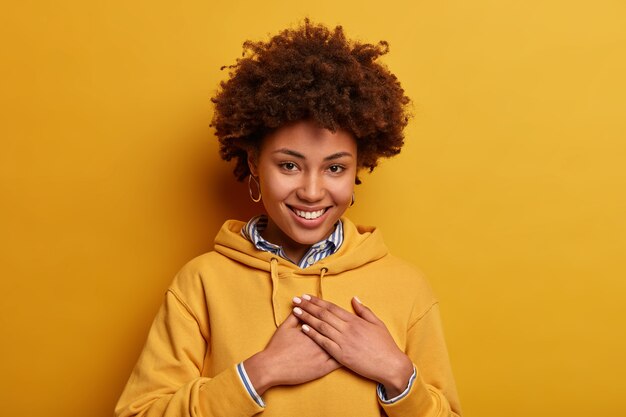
x: 272, y: 320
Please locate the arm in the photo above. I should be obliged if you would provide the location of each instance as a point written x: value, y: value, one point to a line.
x: 434, y: 391
x: 167, y: 381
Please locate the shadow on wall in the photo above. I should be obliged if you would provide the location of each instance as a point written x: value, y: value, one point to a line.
x: 230, y: 196
x: 213, y: 194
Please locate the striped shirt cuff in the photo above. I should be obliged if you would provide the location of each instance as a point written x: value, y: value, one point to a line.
x: 382, y: 395
x: 241, y: 371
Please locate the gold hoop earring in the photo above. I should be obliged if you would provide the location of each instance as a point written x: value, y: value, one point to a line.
x: 352, y: 202
x: 258, y: 186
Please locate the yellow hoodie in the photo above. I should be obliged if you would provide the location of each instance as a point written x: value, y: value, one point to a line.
x: 224, y: 306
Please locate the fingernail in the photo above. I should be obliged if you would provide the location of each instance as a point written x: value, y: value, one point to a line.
x: 357, y: 299
x: 297, y: 310
x: 305, y: 328
x: 306, y: 297
x: 297, y: 300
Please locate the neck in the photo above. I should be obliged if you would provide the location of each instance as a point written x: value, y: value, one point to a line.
x: 294, y: 250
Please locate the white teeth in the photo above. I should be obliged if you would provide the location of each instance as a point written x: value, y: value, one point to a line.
x: 309, y: 215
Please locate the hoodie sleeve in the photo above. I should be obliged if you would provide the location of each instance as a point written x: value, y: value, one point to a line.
x: 433, y: 393
x: 167, y: 381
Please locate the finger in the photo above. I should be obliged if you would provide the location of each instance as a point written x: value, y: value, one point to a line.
x: 327, y: 305
x: 290, y: 321
x: 320, y: 325
x: 330, y: 365
x: 364, y: 312
x: 322, y: 314
x: 324, y: 342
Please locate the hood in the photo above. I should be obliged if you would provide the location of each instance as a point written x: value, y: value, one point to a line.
x: 361, y: 245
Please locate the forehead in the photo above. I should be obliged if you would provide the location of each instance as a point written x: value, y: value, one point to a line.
x: 309, y: 139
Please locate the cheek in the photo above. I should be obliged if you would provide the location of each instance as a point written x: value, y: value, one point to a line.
x: 275, y: 187
x: 343, y: 193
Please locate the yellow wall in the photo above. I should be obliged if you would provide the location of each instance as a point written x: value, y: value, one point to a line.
x: 509, y: 193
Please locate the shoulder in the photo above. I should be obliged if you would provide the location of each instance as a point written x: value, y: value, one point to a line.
x: 198, y: 282
x: 410, y: 285
x: 197, y: 274
x: 203, y: 263
x: 406, y: 275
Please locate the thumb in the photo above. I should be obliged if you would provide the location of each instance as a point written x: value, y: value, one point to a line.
x: 363, y: 311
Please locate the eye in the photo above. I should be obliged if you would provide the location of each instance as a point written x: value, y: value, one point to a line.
x: 288, y: 166
x: 336, y: 169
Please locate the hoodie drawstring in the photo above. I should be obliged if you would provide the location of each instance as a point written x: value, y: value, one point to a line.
x: 320, y: 289
x: 275, y: 283
x: 274, y: 276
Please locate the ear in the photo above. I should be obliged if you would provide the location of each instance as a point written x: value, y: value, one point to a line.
x: 252, y: 164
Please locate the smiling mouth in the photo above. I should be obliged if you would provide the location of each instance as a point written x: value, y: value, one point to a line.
x: 308, y: 215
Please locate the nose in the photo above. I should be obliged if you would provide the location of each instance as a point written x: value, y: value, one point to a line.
x: 312, y: 188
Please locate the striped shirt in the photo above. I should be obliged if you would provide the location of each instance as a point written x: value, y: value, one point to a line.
x: 320, y: 250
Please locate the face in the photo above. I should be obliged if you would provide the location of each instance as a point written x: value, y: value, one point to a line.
x: 307, y: 176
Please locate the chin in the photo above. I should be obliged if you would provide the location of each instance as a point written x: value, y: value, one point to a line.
x: 314, y: 236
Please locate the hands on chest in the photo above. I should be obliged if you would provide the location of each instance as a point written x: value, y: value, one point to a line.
x: 319, y: 337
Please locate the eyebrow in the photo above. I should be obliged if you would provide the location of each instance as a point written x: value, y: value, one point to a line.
x: 293, y: 153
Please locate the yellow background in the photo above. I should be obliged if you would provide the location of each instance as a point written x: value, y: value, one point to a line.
x: 509, y: 193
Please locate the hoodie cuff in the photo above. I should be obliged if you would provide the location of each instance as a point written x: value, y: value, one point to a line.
x: 382, y: 394
x: 225, y: 395
x: 415, y: 400
x: 241, y: 371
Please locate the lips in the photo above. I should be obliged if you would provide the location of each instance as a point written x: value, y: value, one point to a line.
x: 308, y: 215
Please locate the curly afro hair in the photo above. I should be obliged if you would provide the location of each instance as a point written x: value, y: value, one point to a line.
x: 310, y: 73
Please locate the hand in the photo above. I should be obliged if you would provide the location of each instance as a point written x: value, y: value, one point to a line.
x: 290, y: 358
x: 360, y: 342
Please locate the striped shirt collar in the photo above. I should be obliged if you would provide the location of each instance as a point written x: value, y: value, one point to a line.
x: 318, y: 251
